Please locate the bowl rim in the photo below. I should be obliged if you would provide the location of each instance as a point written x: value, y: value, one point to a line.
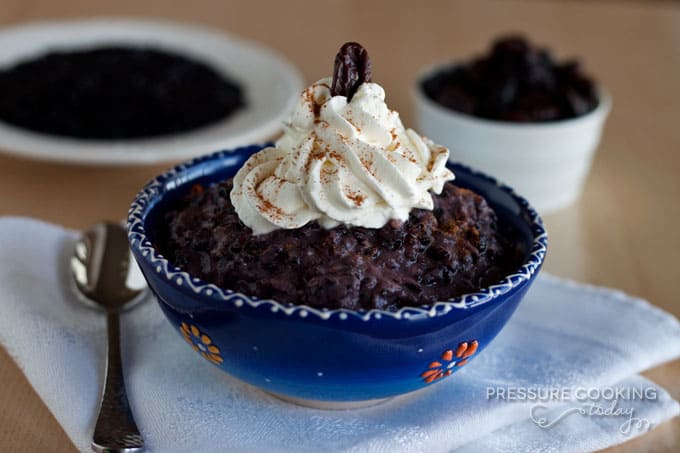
x: 182, y: 280
x: 602, y: 109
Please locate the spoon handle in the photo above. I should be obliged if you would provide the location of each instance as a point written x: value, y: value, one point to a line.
x: 116, y: 430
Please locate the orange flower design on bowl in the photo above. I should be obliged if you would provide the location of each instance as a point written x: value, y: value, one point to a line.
x: 201, y: 343
x: 448, y: 360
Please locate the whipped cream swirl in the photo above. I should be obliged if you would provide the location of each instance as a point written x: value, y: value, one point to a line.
x: 340, y: 162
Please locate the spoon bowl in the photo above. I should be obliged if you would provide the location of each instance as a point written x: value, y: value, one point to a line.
x: 107, y: 278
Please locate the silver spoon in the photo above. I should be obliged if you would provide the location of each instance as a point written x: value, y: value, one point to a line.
x: 100, y: 267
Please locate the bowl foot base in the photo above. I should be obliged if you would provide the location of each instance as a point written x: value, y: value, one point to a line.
x: 330, y: 405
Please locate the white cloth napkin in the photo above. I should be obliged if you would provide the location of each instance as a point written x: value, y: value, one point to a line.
x: 563, y: 335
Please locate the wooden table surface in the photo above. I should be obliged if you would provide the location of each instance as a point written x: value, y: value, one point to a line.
x: 622, y: 233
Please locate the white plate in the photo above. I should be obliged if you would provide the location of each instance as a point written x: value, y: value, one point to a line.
x: 271, y: 85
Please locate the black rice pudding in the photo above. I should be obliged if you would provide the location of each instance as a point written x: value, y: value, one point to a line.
x: 435, y: 255
x: 115, y: 92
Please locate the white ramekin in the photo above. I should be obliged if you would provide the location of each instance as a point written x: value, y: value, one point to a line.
x: 547, y: 163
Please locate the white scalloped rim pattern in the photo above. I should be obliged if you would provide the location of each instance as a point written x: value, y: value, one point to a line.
x: 176, y: 277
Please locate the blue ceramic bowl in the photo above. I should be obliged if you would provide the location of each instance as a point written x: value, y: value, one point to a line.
x: 329, y: 357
